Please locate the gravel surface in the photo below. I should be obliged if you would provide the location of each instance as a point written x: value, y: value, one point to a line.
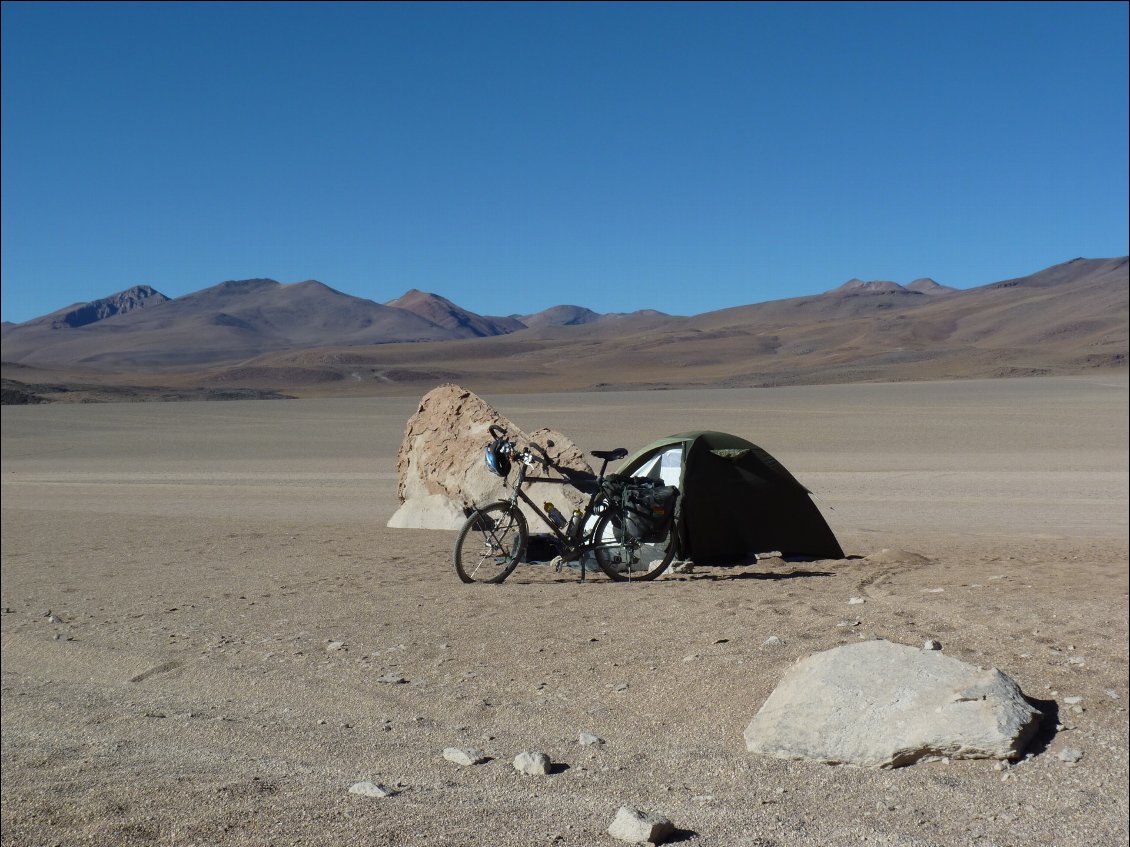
x: 210, y: 637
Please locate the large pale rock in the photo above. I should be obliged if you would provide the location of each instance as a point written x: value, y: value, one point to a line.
x: 432, y: 511
x: 879, y: 704
x: 441, y: 468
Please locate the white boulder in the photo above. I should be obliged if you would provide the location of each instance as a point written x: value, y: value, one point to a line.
x: 879, y: 704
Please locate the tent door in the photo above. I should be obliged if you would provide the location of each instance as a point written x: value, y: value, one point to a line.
x: 667, y: 465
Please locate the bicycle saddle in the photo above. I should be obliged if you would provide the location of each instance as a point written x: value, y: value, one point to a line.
x: 610, y: 455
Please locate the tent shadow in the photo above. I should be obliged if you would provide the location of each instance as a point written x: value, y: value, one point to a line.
x: 752, y: 575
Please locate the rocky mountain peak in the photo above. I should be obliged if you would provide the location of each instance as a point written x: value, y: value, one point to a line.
x: 121, y: 303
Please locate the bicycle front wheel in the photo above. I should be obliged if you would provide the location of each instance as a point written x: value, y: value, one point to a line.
x: 491, y: 543
x: 626, y: 559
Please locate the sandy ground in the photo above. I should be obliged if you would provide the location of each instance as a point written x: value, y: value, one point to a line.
x: 200, y: 598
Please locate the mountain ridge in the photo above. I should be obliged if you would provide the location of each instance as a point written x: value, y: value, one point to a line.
x: 261, y: 334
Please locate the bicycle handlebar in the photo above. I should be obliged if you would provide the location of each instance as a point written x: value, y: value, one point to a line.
x: 499, y: 434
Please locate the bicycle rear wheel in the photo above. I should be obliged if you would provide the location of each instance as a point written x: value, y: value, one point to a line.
x: 491, y: 543
x: 625, y: 559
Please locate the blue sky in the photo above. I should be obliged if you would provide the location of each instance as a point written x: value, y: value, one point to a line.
x: 512, y: 157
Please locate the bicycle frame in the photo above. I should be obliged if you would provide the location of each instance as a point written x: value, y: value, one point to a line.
x: 571, y: 550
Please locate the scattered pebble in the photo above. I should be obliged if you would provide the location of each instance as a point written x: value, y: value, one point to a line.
x: 933, y: 590
x: 392, y: 679
x: 845, y: 624
x: 773, y: 641
x: 1072, y: 701
x: 1070, y: 756
x: 587, y: 739
x: 856, y: 601
x: 532, y: 763
x: 334, y: 645
x: 639, y: 827
x: 932, y: 644
x: 371, y: 789
x: 464, y: 755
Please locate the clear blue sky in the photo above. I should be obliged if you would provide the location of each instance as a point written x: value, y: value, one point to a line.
x: 516, y: 156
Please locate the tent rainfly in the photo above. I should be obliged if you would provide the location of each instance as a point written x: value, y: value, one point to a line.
x: 736, y: 499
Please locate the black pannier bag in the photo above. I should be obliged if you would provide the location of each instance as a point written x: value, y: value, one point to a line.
x: 648, y: 506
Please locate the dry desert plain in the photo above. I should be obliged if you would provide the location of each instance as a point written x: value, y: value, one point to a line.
x: 199, y: 601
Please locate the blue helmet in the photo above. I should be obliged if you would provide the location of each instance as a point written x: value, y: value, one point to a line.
x: 498, y: 463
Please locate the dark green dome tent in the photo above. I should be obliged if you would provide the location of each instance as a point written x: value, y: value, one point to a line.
x: 736, y: 499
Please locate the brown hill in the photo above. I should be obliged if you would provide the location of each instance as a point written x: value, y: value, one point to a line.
x: 858, y: 286
x: 929, y: 286
x: 560, y: 316
x: 228, y: 322
x: 1070, y: 318
x: 1067, y: 319
x: 460, y: 322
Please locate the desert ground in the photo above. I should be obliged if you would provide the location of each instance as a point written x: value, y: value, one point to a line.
x: 200, y: 601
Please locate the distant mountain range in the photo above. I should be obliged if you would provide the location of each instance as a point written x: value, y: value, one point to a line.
x: 239, y: 319
x: 259, y: 333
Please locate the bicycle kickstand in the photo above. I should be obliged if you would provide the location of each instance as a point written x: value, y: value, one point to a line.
x: 558, y: 563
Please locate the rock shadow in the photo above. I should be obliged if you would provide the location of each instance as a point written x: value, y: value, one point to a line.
x: 680, y: 836
x: 1046, y: 732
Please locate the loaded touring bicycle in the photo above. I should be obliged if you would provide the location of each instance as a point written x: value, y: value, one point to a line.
x: 625, y: 528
